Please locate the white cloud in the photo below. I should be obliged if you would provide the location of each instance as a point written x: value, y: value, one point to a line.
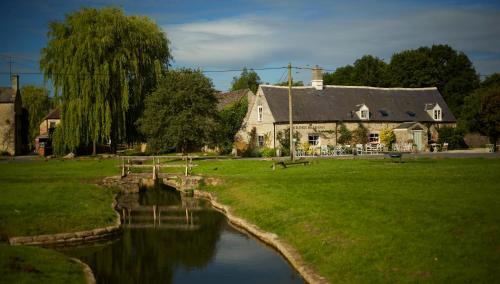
x: 260, y: 40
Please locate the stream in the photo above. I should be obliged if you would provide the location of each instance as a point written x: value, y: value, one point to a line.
x: 171, y: 238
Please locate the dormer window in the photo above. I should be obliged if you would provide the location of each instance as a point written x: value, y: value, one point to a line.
x: 437, y: 114
x: 434, y: 111
x: 259, y: 113
x: 363, y: 112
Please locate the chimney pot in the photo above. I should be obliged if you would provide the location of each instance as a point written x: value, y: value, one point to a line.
x: 317, y: 78
x: 14, y: 81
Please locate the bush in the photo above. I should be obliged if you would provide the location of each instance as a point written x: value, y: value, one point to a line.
x: 284, y: 139
x: 345, y: 136
x: 387, y: 137
x: 452, y: 136
x: 360, y: 135
x: 268, y: 152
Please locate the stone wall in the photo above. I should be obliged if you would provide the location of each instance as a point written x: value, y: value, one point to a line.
x: 7, y: 128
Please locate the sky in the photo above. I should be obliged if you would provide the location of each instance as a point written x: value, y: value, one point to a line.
x: 231, y: 34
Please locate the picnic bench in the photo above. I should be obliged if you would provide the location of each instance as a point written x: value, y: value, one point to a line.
x: 396, y: 155
x: 291, y: 163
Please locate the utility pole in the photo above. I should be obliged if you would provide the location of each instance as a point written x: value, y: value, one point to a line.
x: 292, y: 144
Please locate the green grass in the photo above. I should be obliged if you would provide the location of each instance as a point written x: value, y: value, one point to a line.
x: 57, y: 196
x: 363, y: 221
x: 37, y: 265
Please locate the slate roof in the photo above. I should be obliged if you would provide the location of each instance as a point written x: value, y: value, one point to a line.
x: 7, y: 95
x: 339, y: 103
x: 225, y: 99
x: 408, y: 125
x: 54, y: 114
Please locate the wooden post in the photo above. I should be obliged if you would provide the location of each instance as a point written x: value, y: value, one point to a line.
x: 187, y: 216
x: 292, y: 145
x: 154, y: 213
x: 186, y: 171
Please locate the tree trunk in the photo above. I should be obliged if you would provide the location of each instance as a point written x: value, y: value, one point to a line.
x: 94, y: 148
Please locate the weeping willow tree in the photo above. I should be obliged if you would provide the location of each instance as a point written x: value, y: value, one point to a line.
x: 102, y: 64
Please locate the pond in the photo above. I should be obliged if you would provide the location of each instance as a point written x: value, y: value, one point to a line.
x: 171, y: 238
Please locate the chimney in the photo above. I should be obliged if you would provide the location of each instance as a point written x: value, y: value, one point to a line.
x: 317, y: 78
x: 14, y: 81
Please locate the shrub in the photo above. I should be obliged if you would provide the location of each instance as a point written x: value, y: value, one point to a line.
x: 452, y: 136
x: 387, y: 137
x: 360, y: 135
x: 284, y: 139
x: 267, y: 152
x: 345, y: 136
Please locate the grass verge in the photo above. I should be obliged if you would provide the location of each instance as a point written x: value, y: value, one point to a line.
x: 19, y: 264
x: 57, y: 196
x: 362, y: 221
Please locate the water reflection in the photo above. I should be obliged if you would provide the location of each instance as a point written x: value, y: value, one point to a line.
x: 169, y: 238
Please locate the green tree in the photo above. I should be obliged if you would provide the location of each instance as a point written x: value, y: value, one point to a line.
x: 342, y: 76
x: 482, y: 112
x: 296, y: 84
x: 181, y: 112
x: 366, y: 71
x: 438, y: 66
x: 493, y: 79
x: 370, y: 71
x: 230, y: 119
x: 102, y: 64
x: 248, y: 79
x: 36, y: 102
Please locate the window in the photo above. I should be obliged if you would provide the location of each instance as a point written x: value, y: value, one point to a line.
x: 364, y: 114
x: 260, y: 140
x: 313, y: 139
x: 437, y: 114
x: 52, y: 124
x: 410, y: 113
x: 374, y: 138
x: 259, y: 113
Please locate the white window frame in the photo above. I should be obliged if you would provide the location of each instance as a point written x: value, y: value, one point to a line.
x: 364, y: 114
x: 261, y: 141
x: 372, y: 137
x: 314, y: 142
x: 260, y: 111
x: 438, y: 114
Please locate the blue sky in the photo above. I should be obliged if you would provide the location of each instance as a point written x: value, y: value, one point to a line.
x: 219, y: 35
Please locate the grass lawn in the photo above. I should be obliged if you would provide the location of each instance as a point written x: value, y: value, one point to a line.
x: 364, y: 221
x: 37, y: 265
x: 57, y: 196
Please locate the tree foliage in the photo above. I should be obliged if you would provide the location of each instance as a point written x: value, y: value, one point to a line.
x: 294, y: 83
x: 283, y: 138
x: 36, y: 102
x: 102, y: 64
x: 366, y: 71
x: 230, y: 119
x: 181, y: 112
x: 345, y: 135
x: 360, y: 134
x: 248, y: 79
x: 438, y: 66
x: 387, y: 137
x: 482, y: 112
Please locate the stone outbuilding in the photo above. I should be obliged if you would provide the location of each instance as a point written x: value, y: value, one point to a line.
x: 414, y: 114
x: 13, y: 119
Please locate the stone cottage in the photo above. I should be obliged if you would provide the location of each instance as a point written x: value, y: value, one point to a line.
x: 13, y: 135
x: 414, y: 114
x: 47, y: 126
